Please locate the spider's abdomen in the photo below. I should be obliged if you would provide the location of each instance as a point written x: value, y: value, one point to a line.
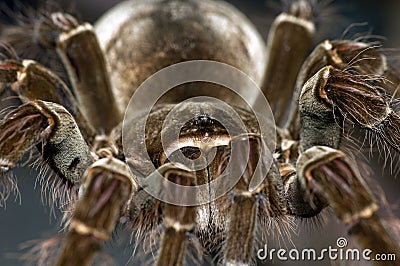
x: 141, y: 37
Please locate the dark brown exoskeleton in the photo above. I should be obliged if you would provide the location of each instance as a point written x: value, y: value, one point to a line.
x: 78, y: 130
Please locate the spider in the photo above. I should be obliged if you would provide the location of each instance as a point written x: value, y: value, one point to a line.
x: 75, y: 124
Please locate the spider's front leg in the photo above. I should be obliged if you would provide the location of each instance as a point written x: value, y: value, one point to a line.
x: 326, y: 174
x: 50, y: 127
x: 64, y: 149
x: 32, y: 81
x: 366, y: 62
x: 79, y: 50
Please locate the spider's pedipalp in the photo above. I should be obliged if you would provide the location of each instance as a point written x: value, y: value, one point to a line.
x: 106, y: 188
x: 294, y: 193
x: 52, y: 129
x: 20, y: 130
x: 327, y: 174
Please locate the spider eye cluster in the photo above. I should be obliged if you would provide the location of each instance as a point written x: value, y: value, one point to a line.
x: 198, y: 140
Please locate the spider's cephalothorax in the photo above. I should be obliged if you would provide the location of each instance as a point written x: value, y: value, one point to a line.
x: 80, y: 134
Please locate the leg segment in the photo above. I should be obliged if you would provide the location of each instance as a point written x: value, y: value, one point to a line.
x: 327, y: 175
x: 248, y: 205
x: 49, y: 124
x: 179, y: 221
x: 31, y: 81
x: 244, y: 209
x: 356, y: 100
x: 293, y: 31
x: 78, y: 48
x: 106, y: 187
x: 364, y: 61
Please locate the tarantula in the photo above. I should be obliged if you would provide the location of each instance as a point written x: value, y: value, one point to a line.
x: 75, y: 123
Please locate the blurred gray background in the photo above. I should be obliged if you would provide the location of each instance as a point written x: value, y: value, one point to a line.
x: 32, y: 220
